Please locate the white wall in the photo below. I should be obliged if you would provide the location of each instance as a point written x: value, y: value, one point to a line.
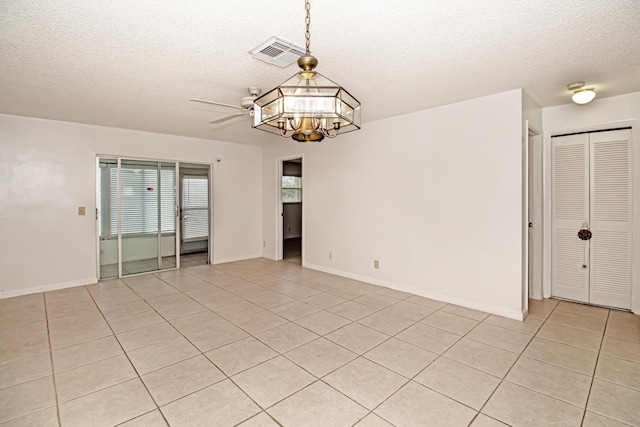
x: 47, y: 170
x: 435, y: 196
x: 602, y: 113
x: 601, y: 110
x: 532, y: 112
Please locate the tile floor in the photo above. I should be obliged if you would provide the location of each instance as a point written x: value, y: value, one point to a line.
x: 263, y: 343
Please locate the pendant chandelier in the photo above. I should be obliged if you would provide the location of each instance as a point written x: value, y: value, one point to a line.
x: 308, y: 106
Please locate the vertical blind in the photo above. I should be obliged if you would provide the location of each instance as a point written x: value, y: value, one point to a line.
x: 195, y: 207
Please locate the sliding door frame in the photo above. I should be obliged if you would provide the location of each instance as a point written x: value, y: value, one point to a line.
x: 119, y: 159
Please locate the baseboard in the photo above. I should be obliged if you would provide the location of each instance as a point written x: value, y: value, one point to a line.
x: 47, y: 288
x: 234, y: 259
x: 487, y: 308
x: 270, y: 256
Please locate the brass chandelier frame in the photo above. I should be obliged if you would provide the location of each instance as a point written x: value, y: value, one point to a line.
x: 307, y: 107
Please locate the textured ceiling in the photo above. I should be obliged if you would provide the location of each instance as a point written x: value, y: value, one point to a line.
x: 135, y: 64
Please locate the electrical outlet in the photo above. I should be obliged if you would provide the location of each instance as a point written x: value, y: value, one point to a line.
x: 330, y: 256
x: 376, y: 263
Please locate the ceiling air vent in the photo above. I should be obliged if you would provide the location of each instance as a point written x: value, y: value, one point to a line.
x: 278, y: 52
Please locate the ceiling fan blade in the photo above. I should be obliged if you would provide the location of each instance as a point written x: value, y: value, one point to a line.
x: 224, y: 119
x: 217, y: 103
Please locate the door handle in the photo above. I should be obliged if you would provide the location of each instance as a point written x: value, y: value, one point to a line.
x: 584, y: 233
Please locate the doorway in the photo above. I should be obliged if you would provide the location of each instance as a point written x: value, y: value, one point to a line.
x: 534, y: 214
x: 195, y: 214
x: 291, y: 210
x: 591, y: 214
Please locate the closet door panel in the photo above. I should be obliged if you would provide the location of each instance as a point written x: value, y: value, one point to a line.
x: 610, y: 196
x: 569, y: 211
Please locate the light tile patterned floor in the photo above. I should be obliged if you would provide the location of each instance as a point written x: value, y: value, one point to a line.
x: 263, y: 343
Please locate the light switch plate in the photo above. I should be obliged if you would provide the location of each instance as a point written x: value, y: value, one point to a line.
x: 81, y: 210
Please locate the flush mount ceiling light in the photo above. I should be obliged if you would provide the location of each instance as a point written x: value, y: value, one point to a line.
x: 308, y: 106
x: 581, y: 94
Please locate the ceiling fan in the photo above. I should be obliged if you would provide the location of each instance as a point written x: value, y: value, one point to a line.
x: 246, y: 105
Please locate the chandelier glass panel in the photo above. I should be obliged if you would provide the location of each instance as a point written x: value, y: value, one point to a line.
x: 308, y: 107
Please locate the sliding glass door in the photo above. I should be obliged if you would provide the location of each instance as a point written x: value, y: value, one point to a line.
x: 195, y: 208
x: 136, y: 216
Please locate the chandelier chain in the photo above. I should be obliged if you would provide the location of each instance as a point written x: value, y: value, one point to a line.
x: 307, y: 33
x: 317, y: 109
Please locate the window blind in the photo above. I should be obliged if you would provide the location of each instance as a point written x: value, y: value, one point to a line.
x: 291, y: 189
x: 168, y: 200
x: 195, y: 207
x: 139, y: 199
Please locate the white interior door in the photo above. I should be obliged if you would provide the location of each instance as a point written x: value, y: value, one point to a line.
x: 569, y: 211
x: 591, y: 187
x: 610, y: 271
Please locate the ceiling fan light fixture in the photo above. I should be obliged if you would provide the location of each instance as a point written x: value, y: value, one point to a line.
x: 581, y: 95
x: 307, y: 107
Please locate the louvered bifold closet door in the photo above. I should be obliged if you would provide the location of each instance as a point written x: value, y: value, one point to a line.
x: 569, y: 211
x: 611, y: 218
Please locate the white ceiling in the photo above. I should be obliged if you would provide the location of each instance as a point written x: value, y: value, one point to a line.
x: 135, y: 64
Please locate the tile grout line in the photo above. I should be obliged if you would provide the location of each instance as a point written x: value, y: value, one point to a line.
x: 197, y: 348
x: 534, y: 336
x: 279, y: 354
x: 357, y: 355
x: 57, y: 404
x: 152, y: 308
x: 214, y: 364
x: 595, y: 368
x: 53, y: 373
x: 521, y: 354
x: 319, y: 379
x: 130, y: 363
x: 181, y: 334
x: 431, y: 363
x: 504, y: 378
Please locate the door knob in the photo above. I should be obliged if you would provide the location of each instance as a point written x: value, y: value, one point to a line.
x: 584, y: 233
